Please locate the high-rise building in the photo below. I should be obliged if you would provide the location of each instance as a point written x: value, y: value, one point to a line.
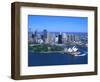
x: 35, y: 36
x: 71, y: 37
x: 77, y: 38
x: 49, y: 38
x: 53, y: 38
x: 30, y: 40
x: 35, y: 33
x: 64, y: 37
x: 60, y: 39
x: 56, y: 39
x: 67, y: 37
x: 44, y: 35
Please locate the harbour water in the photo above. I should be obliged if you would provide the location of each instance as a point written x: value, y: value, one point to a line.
x: 49, y: 59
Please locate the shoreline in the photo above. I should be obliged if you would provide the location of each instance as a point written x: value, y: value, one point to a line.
x: 48, y: 52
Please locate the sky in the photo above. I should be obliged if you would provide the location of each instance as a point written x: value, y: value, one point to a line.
x: 57, y: 23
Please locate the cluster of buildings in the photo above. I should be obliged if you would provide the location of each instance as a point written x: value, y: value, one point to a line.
x: 52, y: 37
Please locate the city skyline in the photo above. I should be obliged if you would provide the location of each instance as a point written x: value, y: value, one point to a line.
x: 57, y: 40
x: 57, y: 23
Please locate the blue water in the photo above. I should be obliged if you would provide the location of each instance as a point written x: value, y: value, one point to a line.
x: 48, y: 59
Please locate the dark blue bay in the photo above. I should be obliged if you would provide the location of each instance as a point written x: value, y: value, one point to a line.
x: 47, y: 59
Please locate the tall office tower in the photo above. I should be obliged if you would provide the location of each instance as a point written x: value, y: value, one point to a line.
x: 67, y: 37
x: 44, y: 35
x: 41, y: 36
x: 35, y: 33
x: 64, y: 37
x: 56, y: 39
x: 35, y: 36
x: 53, y: 38
x: 30, y: 40
x: 38, y: 38
x: 49, y: 38
x: 72, y: 37
x: 77, y: 38
x: 60, y: 39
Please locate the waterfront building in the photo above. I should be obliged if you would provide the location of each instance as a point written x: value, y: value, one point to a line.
x: 35, y: 33
x: 30, y: 35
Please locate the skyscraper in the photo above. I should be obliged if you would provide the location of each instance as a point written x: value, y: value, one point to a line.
x: 49, y: 37
x: 44, y: 35
x: 70, y: 38
x: 60, y: 39
x: 30, y: 39
x: 77, y: 38
x: 35, y: 36
x: 64, y: 37
x: 56, y: 39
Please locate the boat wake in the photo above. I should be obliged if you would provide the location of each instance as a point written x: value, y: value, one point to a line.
x: 82, y: 54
